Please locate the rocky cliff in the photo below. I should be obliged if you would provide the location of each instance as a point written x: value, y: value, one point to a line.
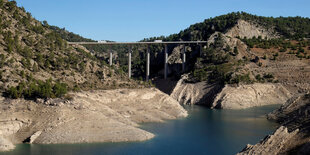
x: 245, y: 96
x: 194, y: 93
x: 293, y: 137
x: 95, y: 116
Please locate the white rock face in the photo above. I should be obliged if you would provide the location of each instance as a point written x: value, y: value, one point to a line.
x: 9, y: 127
x: 245, y: 29
x: 185, y: 93
x: 35, y: 136
x: 193, y: 93
x: 245, y: 96
x: 5, y: 145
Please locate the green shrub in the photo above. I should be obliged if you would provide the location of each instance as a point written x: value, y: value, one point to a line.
x: 227, y: 48
x: 12, y: 93
x: 37, y: 89
x: 59, y: 89
x: 1, y: 3
x: 38, y: 29
x: 307, y: 96
x: 82, y: 67
x: 2, y: 60
x: 200, y: 74
x: 236, y: 52
x: 258, y: 77
x: 283, y: 50
x: 245, y: 78
x: 268, y: 76
x: 265, y: 57
x: 301, y: 50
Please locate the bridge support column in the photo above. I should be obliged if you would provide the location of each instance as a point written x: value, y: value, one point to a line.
x: 111, y: 56
x: 183, y: 58
x: 200, y: 50
x: 129, y: 61
x: 148, y: 63
x: 166, y: 62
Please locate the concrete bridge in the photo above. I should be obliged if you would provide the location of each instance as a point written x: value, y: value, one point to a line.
x: 148, y: 52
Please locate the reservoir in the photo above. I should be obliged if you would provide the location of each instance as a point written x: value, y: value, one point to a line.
x: 204, y: 131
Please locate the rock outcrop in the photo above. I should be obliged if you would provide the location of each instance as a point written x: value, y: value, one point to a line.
x: 194, y: 93
x: 5, y: 145
x: 246, y: 29
x: 94, y: 116
x: 34, y: 136
x: 293, y: 137
x: 272, y: 144
x: 245, y: 96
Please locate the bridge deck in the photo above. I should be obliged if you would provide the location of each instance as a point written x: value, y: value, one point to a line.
x: 135, y: 43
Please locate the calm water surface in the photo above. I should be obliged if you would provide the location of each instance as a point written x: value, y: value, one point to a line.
x: 204, y: 131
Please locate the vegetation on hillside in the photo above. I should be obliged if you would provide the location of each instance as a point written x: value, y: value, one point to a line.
x: 213, y: 65
x: 29, y: 48
x: 297, y: 48
x: 37, y: 89
x: 288, y: 27
x: 216, y: 65
x: 121, y: 57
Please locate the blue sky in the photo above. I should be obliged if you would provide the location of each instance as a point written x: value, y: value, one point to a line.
x: 133, y: 20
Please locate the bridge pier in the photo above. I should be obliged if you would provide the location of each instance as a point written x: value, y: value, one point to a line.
x: 183, y: 58
x: 166, y: 62
x: 148, y: 52
x: 200, y: 50
x: 148, y: 63
x: 129, y: 61
x: 111, y: 56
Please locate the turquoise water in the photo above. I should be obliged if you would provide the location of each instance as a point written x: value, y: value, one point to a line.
x: 204, y: 131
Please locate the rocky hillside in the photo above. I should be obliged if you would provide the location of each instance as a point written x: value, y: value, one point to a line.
x: 242, y: 49
x: 240, y: 44
x: 287, y: 27
x: 230, y: 38
x: 36, y: 61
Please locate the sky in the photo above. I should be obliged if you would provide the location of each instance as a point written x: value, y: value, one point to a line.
x: 133, y: 20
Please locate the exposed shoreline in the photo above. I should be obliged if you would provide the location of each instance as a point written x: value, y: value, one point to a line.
x: 90, y: 117
x: 114, y: 116
x: 240, y: 96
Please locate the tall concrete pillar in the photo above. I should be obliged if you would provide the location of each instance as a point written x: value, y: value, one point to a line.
x: 200, y: 50
x: 166, y: 62
x: 183, y: 58
x: 148, y: 63
x: 111, y: 55
x: 129, y: 61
